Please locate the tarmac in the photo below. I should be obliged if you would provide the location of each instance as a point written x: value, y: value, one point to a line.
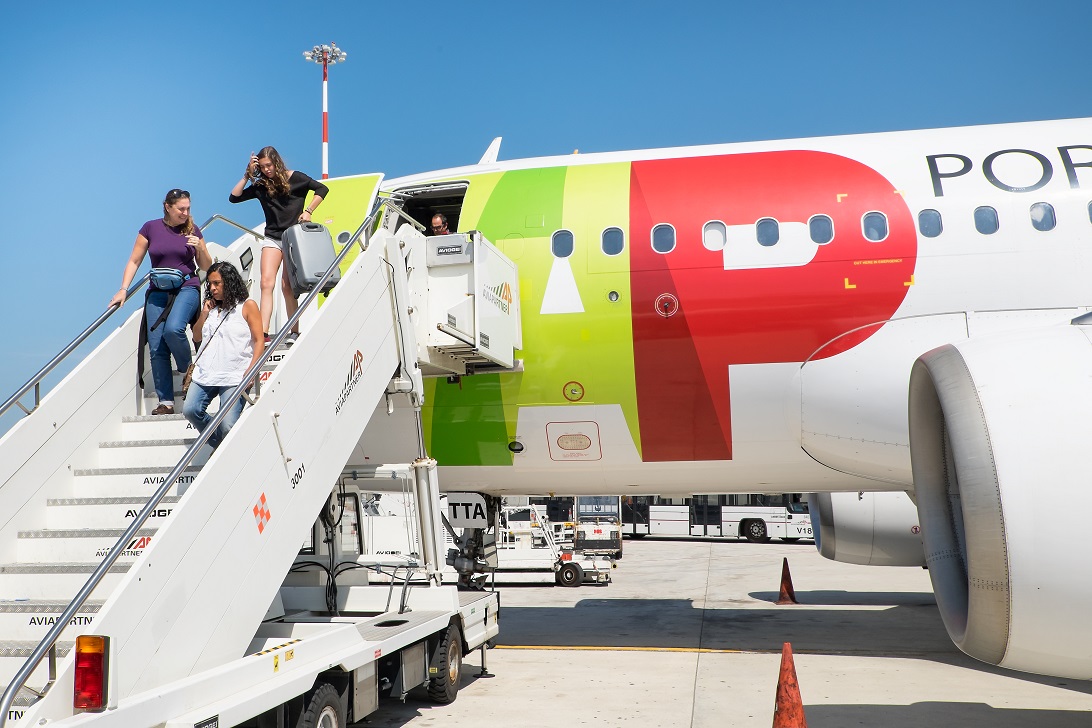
x: 688, y: 634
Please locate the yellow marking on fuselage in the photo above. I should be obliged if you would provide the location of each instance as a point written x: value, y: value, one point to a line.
x: 842, y: 195
x: 850, y: 285
x: 910, y: 282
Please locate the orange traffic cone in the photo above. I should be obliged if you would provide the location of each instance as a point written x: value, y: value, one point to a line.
x: 788, y: 709
x: 787, y: 595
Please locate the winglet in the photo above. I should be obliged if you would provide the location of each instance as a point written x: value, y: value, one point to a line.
x: 491, y: 153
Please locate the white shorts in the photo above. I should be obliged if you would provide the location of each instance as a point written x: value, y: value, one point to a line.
x: 270, y: 242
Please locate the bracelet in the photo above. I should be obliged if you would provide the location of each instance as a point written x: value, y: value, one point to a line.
x: 309, y: 212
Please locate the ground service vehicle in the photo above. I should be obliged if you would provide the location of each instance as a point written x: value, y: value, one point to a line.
x: 588, y: 523
x: 526, y: 546
x: 147, y: 581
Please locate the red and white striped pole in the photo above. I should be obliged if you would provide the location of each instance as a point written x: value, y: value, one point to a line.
x: 327, y: 55
x: 325, y: 116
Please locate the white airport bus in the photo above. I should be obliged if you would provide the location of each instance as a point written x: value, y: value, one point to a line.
x: 756, y: 516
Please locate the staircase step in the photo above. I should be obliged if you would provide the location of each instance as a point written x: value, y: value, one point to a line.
x: 51, y: 545
x: 139, y: 453
x: 23, y: 700
x: 103, y: 512
x: 30, y: 619
x: 21, y: 580
x: 126, y: 482
x: 13, y: 653
x: 135, y: 427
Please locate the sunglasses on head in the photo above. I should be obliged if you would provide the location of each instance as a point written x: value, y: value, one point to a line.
x: 176, y: 193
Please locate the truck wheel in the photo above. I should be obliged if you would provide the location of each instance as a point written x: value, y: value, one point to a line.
x: 570, y: 575
x: 324, y: 709
x: 447, y: 658
x: 756, y: 531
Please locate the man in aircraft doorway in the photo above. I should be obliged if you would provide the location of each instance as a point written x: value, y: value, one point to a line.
x: 439, y: 224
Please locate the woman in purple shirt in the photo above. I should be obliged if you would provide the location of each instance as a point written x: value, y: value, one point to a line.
x: 172, y: 241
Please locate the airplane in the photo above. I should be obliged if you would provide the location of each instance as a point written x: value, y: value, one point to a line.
x: 893, y: 321
x: 896, y: 323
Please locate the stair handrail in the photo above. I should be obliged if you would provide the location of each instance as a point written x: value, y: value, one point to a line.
x: 35, y: 381
x: 48, y: 642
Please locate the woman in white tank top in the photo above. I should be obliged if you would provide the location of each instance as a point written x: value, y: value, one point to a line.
x: 231, y: 341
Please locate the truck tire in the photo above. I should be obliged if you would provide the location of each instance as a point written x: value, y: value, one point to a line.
x: 570, y: 575
x: 324, y: 709
x: 756, y: 531
x: 447, y: 658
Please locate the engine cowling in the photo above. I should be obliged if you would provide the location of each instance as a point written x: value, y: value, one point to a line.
x: 876, y: 529
x: 999, y: 440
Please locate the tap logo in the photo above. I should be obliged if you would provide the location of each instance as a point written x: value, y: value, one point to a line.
x: 356, y: 371
x: 500, y: 296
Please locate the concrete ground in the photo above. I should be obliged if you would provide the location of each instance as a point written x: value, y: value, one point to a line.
x: 689, y: 635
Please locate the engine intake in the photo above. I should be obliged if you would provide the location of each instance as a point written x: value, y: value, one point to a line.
x: 875, y: 529
x: 998, y: 439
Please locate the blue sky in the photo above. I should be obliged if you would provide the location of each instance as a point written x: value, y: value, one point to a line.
x: 106, y: 106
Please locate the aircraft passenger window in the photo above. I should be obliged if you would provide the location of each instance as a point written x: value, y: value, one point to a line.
x: 714, y: 235
x: 613, y: 241
x: 1090, y: 211
x: 874, y: 225
x: 821, y: 229
x: 1042, y: 217
x: 663, y: 238
x: 985, y: 220
x: 930, y: 224
x: 768, y: 231
x: 561, y: 244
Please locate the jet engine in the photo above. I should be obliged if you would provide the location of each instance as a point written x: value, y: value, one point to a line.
x: 1000, y: 432
x: 876, y: 529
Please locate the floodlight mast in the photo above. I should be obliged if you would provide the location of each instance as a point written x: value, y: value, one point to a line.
x: 327, y: 55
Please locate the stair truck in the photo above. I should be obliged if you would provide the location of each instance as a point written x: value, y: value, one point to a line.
x: 147, y: 581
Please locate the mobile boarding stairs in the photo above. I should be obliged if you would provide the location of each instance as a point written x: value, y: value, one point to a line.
x: 120, y: 524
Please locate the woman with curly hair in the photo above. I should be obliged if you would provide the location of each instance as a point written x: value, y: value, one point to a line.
x: 281, y: 193
x: 231, y: 342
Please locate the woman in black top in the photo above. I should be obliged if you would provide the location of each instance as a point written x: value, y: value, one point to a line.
x: 282, y: 193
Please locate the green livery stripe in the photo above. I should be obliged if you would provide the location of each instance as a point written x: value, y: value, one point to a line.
x: 344, y: 209
x: 597, y: 197
x: 471, y: 422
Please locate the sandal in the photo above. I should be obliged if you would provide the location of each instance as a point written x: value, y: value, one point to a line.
x: 164, y: 409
